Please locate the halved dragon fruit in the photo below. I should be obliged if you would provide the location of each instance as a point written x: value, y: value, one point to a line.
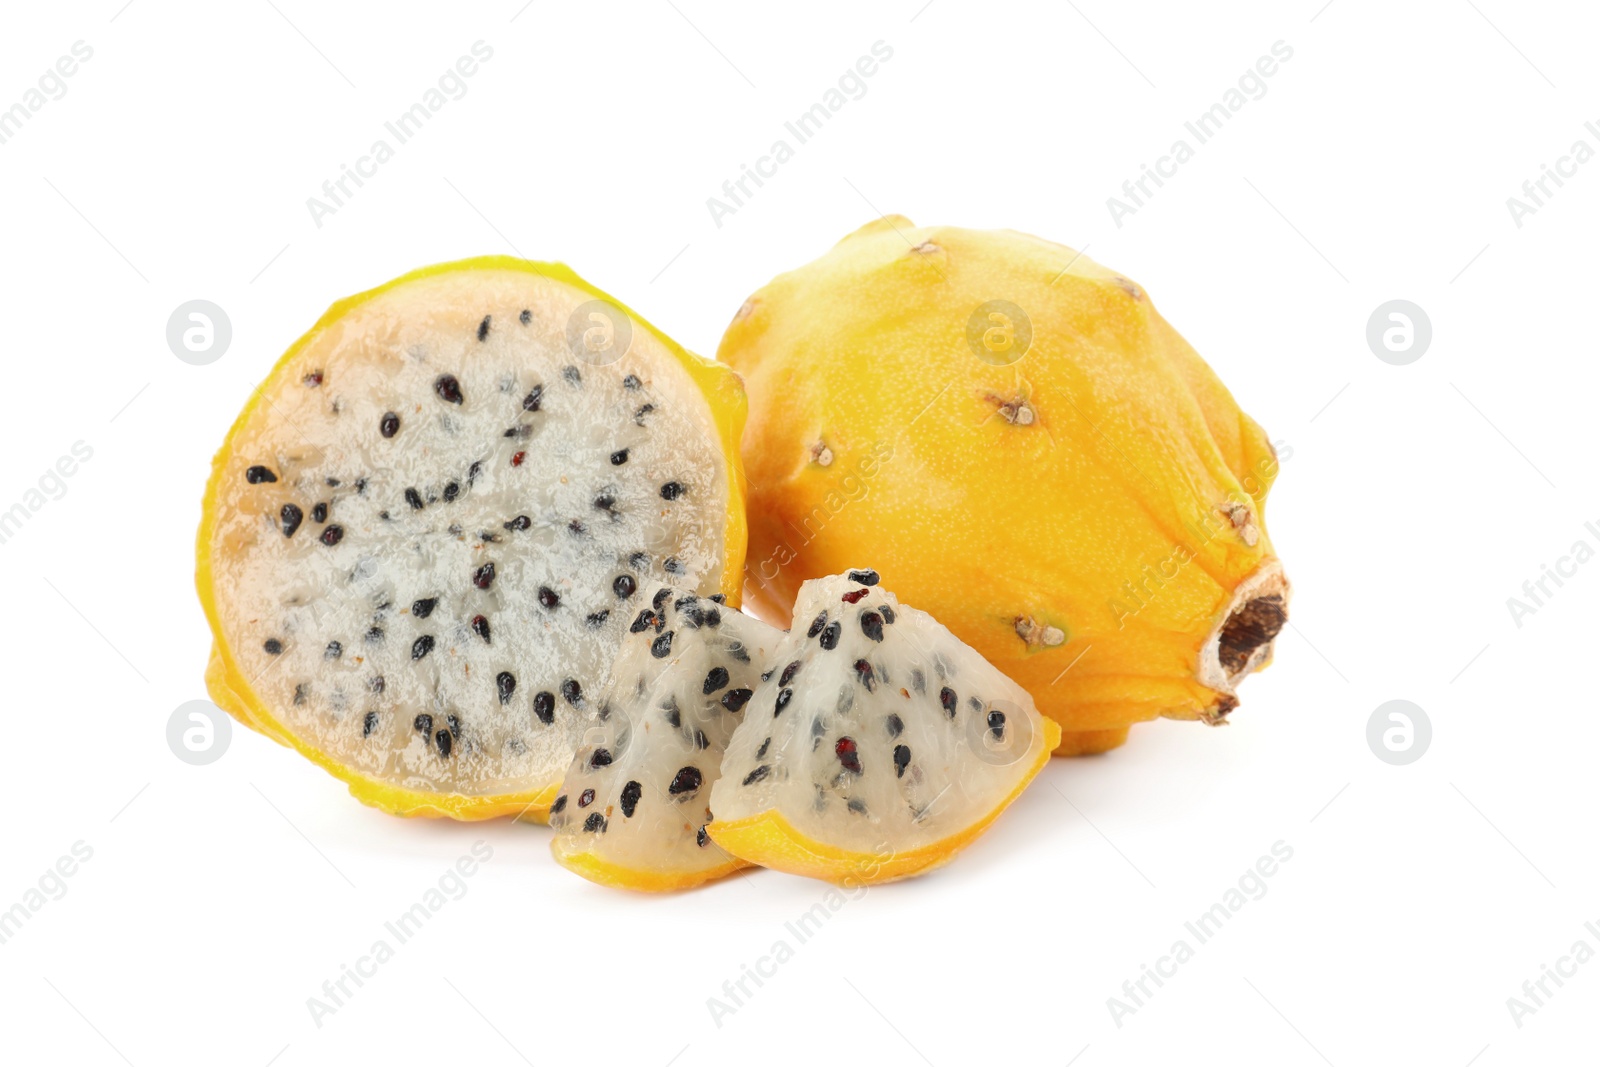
x: 428, y: 531
x: 634, y: 806
x: 880, y: 747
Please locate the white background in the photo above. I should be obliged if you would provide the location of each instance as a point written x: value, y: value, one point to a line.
x: 1417, y: 499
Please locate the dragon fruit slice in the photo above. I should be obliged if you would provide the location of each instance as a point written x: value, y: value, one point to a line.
x: 427, y: 533
x: 634, y: 806
x: 880, y: 748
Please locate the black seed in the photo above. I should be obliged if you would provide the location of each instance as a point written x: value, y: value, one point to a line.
x: 332, y: 535
x: 631, y: 382
x: 443, y: 742
x: 674, y: 716
x: 830, y: 637
x: 997, y: 724
x: 480, y: 626
x: 737, y: 651
x: 872, y: 625
x: 520, y: 430
x: 526, y: 317
x: 577, y: 528
x: 544, y: 707
x: 319, y: 512
x: 597, y: 619
x: 483, y: 329
x: 333, y: 483
x: 646, y: 619
x: 947, y: 699
x: 864, y: 577
x: 919, y: 682
x: 505, y: 683
x: 630, y: 798
x: 384, y: 515
x: 423, y: 723
x: 521, y: 522
x: 856, y: 805
x: 888, y: 615
x: 864, y: 673
x: 369, y: 724
x: 687, y: 780
x: 660, y: 598
x: 560, y: 805
x: 451, y: 491
x: 619, y: 457
x: 448, y: 388
x: 672, y: 491
x: 333, y: 651
x: 423, y: 608
x: 548, y: 597
x: 784, y: 696
x: 849, y: 758
x: 571, y: 374
x: 595, y: 823
x: 572, y: 691
x: 762, y: 751
x: 291, y: 515
x: 599, y: 758
x: 272, y: 645
x: 389, y: 425
x: 735, y: 699
x: 902, y: 759
x: 374, y: 635
x: 483, y: 577
x: 624, y: 586
x: 672, y: 566
x: 258, y: 474
x: 414, y: 498
x: 639, y: 561
x: 661, y: 647
x: 715, y: 680
x: 977, y: 705
x: 894, y: 725
x: 702, y: 838
x: 376, y: 683
x: 421, y: 646
x: 817, y: 624
x: 473, y: 471
x: 789, y: 672
x: 711, y: 617
x: 756, y: 775
x: 586, y: 798
x: 701, y: 741
x: 454, y: 724
x: 718, y: 598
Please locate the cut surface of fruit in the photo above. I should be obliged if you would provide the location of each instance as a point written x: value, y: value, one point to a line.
x: 940, y: 398
x: 634, y: 806
x: 879, y: 746
x: 426, y: 534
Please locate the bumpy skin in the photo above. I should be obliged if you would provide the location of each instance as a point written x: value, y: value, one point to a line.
x: 230, y: 686
x: 1088, y: 516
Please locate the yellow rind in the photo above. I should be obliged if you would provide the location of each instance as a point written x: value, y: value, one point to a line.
x: 231, y: 690
x: 586, y: 863
x: 770, y: 840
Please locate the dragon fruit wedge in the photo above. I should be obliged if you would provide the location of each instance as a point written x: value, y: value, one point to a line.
x: 879, y: 748
x: 633, y: 809
x: 429, y: 530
